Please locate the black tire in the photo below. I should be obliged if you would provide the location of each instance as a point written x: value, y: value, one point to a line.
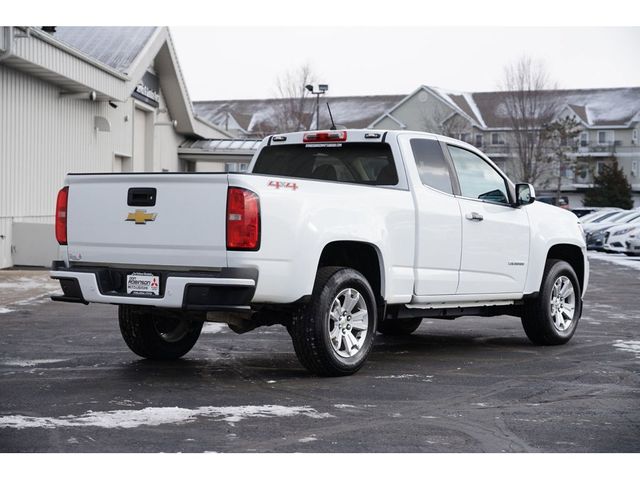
x: 537, y: 319
x: 399, y: 327
x: 156, y: 334
x: 310, y: 325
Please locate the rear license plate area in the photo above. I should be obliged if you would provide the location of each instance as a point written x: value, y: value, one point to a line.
x: 143, y: 284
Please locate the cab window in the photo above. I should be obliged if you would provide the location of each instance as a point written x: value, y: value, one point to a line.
x: 431, y: 164
x: 477, y: 178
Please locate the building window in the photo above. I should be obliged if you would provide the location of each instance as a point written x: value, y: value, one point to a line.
x: 496, y: 139
x: 634, y: 137
x: 605, y: 137
x: 465, y: 137
x: 599, y: 167
x: 479, y: 139
x: 236, y: 167
x: 584, y: 139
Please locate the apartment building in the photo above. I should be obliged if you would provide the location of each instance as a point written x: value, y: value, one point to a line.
x: 608, y: 122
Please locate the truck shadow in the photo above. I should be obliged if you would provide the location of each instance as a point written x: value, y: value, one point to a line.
x: 266, y: 369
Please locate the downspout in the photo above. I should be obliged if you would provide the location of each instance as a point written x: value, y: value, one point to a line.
x: 8, y: 37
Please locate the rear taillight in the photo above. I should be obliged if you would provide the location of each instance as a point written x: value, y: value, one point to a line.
x: 243, y: 219
x: 61, y: 216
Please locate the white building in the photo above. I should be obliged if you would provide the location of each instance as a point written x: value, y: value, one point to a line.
x: 85, y: 99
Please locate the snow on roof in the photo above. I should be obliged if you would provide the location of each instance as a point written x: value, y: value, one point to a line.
x: 117, y: 47
x: 260, y: 116
x: 601, y: 106
x: 612, y: 106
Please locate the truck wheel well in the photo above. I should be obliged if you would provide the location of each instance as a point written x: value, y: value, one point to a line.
x: 360, y: 256
x: 572, y: 255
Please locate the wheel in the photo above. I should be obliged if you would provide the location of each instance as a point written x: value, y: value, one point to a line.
x: 552, y: 317
x: 333, y: 333
x: 399, y: 327
x: 156, y: 334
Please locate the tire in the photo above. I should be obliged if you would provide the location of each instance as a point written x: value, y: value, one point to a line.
x: 326, y: 339
x: 399, y: 327
x: 540, y: 323
x: 156, y: 334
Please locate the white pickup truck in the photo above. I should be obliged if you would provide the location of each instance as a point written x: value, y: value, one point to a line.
x: 334, y: 234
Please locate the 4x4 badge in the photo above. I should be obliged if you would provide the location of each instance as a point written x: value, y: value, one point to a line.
x: 141, y: 217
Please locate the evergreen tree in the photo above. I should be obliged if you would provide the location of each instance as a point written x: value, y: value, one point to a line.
x: 610, y: 189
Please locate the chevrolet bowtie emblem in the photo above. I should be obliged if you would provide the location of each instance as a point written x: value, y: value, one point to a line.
x: 141, y: 217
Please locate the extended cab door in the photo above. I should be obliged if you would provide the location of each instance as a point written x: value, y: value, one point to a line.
x: 495, y: 235
x: 438, y: 219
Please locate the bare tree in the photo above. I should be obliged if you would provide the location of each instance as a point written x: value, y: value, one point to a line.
x: 292, y: 111
x: 561, y: 137
x: 529, y: 107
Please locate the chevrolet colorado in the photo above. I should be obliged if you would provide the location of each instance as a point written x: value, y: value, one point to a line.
x: 334, y: 234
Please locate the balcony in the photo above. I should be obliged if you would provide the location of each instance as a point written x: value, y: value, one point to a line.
x: 604, y: 149
x: 496, y: 150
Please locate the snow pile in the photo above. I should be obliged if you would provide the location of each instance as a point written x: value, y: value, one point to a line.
x: 209, y: 327
x: 30, y: 363
x: 631, y: 346
x: 617, y: 258
x: 154, y: 416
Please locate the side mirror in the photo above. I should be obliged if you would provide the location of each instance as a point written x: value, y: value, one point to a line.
x: 525, y: 194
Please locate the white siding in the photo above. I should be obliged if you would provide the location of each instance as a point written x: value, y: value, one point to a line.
x: 44, y: 136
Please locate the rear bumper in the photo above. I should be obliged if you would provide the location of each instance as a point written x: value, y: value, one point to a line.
x: 227, y: 288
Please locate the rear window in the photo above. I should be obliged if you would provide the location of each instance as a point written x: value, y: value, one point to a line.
x: 363, y: 163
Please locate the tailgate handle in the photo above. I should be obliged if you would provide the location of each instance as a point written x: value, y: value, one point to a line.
x: 141, y: 197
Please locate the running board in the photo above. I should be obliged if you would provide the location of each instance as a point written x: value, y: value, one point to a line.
x: 468, y: 304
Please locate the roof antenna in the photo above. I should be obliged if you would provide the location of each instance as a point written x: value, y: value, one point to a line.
x: 333, y: 124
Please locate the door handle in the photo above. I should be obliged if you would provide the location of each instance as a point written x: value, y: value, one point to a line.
x: 474, y: 217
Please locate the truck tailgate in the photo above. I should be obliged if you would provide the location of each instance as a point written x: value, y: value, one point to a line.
x: 180, y: 223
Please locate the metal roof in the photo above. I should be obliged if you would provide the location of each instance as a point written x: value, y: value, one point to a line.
x: 114, y: 46
x: 233, y: 146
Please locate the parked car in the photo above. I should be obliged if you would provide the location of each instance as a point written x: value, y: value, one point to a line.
x: 595, y: 234
x: 633, y: 245
x: 599, y: 216
x: 582, y: 211
x: 617, y: 218
x: 562, y: 202
x: 615, y: 237
x: 333, y: 234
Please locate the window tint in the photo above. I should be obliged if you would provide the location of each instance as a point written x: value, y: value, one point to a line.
x: 431, y: 164
x: 365, y: 163
x: 477, y: 178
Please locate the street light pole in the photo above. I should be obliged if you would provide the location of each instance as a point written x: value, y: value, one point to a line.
x: 321, y: 90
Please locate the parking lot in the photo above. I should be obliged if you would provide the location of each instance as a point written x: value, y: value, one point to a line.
x: 68, y: 383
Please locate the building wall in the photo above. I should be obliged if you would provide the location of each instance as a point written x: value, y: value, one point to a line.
x: 44, y: 136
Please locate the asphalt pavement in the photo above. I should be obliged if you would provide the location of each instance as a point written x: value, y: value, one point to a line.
x: 68, y: 383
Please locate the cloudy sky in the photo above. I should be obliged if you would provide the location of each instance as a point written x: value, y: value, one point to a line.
x: 245, y: 62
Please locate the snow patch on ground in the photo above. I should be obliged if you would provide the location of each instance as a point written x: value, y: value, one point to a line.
x: 154, y: 416
x: 5, y: 310
x: 209, y: 327
x: 631, y: 346
x: 30, y: 363
x: 308, y: 439
x: 21, y: 284
x: 426, y: 378
x: 344, y: 405
x: 617, y: 258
